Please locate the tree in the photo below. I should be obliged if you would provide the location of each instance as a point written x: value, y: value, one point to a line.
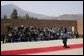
x: 19, y: 17
x: 27, y: 16
x: 14, y: 14
x: 24, y: 17
x: 33, y: 18
x: 5, y: 16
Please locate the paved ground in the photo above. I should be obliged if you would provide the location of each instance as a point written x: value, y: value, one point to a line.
x: 42, y: 44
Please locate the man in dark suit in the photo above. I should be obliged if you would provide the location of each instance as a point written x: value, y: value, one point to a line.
x: 64, y: 38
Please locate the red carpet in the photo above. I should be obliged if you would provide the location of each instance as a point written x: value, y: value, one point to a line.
x: 39, y: 50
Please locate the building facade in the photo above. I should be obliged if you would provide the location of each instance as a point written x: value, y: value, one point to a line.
x: 38, y: 23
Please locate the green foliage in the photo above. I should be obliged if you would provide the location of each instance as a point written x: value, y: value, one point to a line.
x: 5, y: 16
x: 27, y: 16
x: 14, y: 14
x: 20, y: 17
x: 33, y: 18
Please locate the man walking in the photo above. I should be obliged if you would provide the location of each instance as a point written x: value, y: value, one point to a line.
x: 64, y: 38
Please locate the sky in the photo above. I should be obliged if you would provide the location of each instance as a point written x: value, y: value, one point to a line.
x: 49, y: 8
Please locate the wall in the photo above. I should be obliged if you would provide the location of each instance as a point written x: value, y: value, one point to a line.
x: 38, y: 23
x: 80, y: 26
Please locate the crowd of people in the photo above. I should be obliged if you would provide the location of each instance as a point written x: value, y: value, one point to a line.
x: 32, y: 33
